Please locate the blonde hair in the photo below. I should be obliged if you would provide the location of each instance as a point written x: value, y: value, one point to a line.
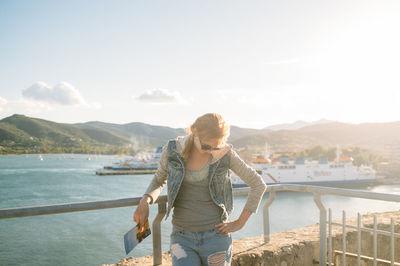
x: 207, y: 126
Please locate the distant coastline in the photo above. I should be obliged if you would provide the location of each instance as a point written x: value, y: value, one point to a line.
x: 367, y: 143
x: 94, y: 151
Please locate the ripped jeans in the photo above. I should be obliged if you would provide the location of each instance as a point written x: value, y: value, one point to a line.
x: 208, y: 248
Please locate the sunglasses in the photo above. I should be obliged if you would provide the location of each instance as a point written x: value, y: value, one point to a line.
x: 206, y: 147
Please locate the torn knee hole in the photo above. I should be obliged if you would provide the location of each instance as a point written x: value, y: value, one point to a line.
x: 178, y: 251
x: 217, y: 259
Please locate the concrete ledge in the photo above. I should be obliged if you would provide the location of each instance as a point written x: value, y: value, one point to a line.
x: 299, y: 246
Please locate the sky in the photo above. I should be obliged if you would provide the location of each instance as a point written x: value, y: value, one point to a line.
x: 257, y: 63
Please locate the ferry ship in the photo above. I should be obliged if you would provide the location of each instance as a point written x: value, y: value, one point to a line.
x: 141, y: 161
x: 340, y: 173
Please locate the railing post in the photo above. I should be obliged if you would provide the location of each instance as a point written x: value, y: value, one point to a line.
x: 157, y: 251
x: 271, y: 199
x: 322, y: 229
x: 344, y: 238
x: 330, y: 237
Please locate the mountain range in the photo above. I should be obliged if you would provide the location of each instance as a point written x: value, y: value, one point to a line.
x: 28, y: 134
x: 298, y: 124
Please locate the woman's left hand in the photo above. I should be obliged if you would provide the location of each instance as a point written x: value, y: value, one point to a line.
x: 230, y: 226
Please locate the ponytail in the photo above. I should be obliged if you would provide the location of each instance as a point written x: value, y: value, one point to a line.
x: 187, y: 150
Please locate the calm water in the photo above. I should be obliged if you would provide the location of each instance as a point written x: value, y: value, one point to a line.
x: 96, y: 237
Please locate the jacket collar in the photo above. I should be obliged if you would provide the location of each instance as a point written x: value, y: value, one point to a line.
x: 216, y: 155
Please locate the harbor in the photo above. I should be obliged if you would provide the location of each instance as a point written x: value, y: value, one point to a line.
x: 285, y: 170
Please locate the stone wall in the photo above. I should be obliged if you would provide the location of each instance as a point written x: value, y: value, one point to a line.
x: 301, y: 246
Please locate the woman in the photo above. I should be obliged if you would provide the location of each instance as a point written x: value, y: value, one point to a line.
x: 196, y: 169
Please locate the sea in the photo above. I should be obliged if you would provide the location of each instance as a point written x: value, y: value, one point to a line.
x: 96, y: 237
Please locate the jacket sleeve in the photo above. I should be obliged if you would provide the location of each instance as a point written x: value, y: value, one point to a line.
x: 160, y: 177
x: 251, y: 178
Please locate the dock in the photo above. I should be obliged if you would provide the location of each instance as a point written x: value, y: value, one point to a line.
x: 125, y: 172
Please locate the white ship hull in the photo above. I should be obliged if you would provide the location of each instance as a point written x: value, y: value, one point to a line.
x: 312, y: 173
x: 142, y: 161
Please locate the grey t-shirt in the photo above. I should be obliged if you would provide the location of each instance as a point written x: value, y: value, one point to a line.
x: 194, y: 209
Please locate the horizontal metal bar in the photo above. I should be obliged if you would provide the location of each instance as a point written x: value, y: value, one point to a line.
x: 335, y: 191
x: 71, y: 207
x: 84, y: 206
x: 339, y: 252
x: 96, y: 205
x: 365, y: 229
x: 324, y: 191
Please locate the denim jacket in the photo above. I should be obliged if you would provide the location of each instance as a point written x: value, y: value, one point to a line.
x: 172, y: 171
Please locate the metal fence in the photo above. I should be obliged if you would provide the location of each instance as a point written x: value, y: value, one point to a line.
x: 323, y: 251
x: 272, y: 189
x: 358, y: 229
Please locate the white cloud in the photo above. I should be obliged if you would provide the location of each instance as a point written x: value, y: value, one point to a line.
x: 62, y: 93
x: 161, y: 96
x: 41, y: 98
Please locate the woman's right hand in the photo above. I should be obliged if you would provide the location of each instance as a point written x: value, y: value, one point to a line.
x: 141, y: 214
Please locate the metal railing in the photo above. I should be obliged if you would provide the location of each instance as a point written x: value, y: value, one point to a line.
x: 359, y: 228
x: 272, y: 189
x: 96, y: 205
x: 317, y: 193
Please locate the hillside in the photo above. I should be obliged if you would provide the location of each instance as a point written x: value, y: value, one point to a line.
x: 297, y: 125
x: 19, y: 133
x: 138, y: 134
x: 22, y: 134
x: 373, y: 136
